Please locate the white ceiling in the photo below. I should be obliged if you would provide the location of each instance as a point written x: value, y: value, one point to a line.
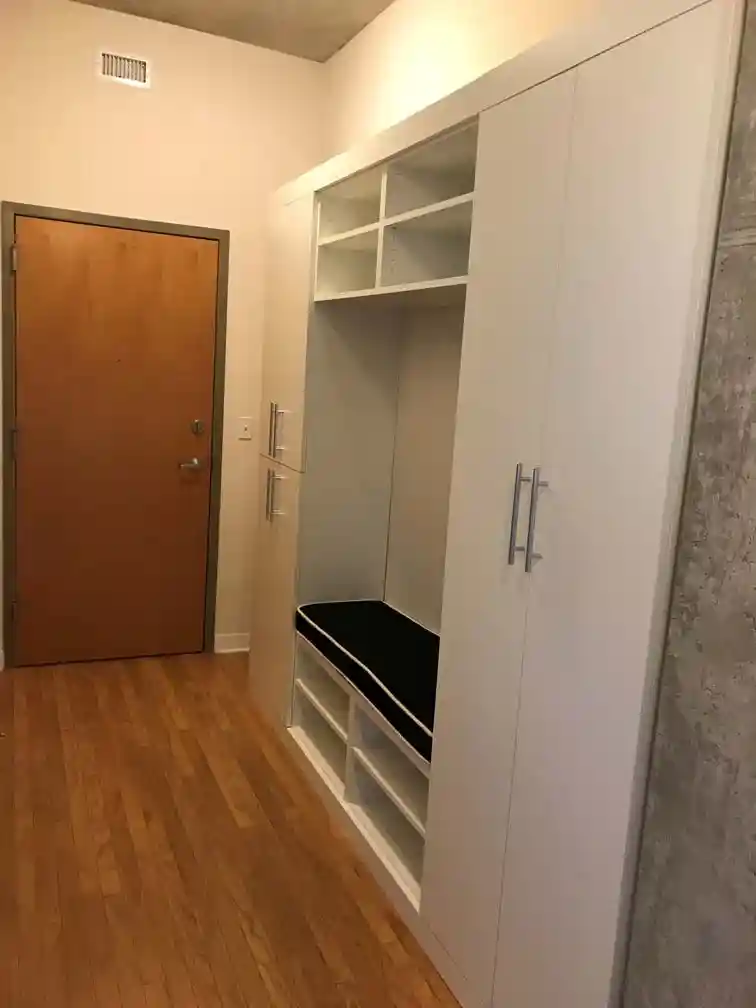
x: 315, y: 29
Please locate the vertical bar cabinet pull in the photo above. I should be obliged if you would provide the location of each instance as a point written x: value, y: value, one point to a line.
x: 537, y: 484
x: 268, y: 485
x: 274, y: 511
x: 514, y: 549
x: 272, y: 414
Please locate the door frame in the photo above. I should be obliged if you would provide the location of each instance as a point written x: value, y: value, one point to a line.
x: 8, y: 213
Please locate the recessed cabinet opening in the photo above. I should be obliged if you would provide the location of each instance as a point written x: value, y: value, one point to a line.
x: 383, y: 359
x: 381, y: 406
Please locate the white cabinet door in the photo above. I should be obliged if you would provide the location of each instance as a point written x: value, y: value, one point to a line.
x: 274, y: 591
x: 519, y: 202
x: 287, y: 308
x: 641, y: 203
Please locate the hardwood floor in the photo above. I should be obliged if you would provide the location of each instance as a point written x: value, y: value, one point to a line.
x: 158, y: 847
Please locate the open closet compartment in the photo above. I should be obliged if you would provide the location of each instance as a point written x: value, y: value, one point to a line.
x: 403, y: 227
x: 380, y: 407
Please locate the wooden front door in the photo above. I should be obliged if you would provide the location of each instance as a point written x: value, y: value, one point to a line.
x: 114, y: 350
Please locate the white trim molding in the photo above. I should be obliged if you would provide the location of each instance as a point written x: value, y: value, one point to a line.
x: 230, y: 643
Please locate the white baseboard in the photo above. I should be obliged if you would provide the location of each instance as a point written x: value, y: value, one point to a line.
x: 228, y: 643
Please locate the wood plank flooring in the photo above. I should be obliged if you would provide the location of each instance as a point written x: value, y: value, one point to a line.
x: 160, y: 849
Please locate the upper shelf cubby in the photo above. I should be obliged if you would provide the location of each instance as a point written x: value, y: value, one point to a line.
x: 401, y: 229
x: 435, y: 172
x: 351, y: 204
x: 347, y: 264
x: 428, y: 246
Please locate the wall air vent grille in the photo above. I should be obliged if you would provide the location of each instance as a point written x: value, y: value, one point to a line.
x: 125, y: 69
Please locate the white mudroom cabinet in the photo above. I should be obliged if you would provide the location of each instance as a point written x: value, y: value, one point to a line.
x: 481, y: 343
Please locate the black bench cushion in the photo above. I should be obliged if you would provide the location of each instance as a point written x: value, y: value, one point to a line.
x: 389, y: 658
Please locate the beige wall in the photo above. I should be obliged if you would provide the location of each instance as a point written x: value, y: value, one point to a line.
x: 417, y: 51
x: 223, y: 125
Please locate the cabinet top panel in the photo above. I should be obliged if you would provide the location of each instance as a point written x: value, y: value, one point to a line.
x: 614, y: 23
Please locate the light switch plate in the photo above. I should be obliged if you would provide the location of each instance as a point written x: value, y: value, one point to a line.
x: 244, y: 432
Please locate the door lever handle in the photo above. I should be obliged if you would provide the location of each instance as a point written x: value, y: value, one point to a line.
x: 192, y: 464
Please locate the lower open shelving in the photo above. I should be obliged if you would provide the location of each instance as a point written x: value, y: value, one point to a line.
x: 406, y: 788
x: 399, y: 846
x: 322, y: 745
x: 379, y: 781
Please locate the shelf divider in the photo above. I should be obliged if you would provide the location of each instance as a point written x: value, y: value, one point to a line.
x: 427, y: 211
x: 343, y: 236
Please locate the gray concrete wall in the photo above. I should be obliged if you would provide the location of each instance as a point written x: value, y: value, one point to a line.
x: 693, y: 939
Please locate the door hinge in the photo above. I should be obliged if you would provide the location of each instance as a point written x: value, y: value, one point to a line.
x: 13, y: 610
x: 14, y: 443
x: 14, y: 258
